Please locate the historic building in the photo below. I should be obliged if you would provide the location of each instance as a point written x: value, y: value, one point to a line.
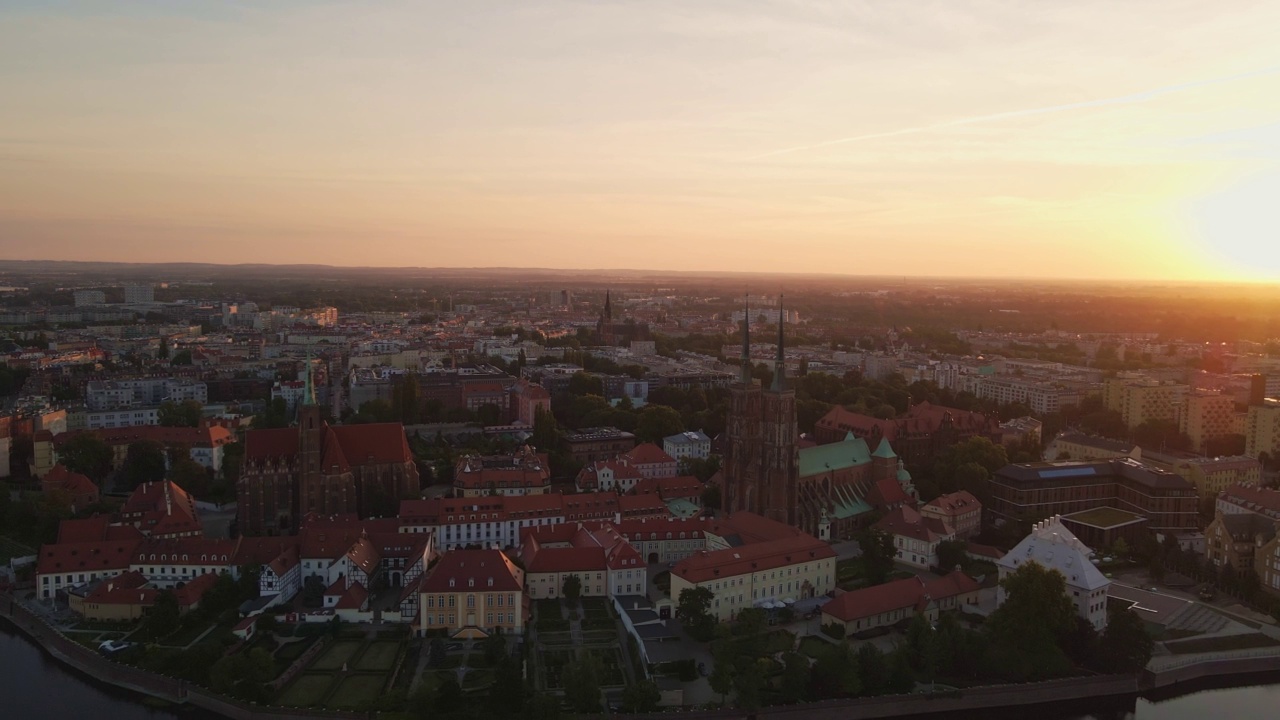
x: 317, y: 468
x: 919, y: 437
x: 829, y: 490
x: 619, y: 333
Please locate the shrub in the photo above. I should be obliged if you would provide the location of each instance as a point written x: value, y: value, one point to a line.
x: 833, y: 630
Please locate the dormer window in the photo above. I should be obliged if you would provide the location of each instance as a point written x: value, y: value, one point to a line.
x: 451, y: 582
x: 471, y: 582
x: 490, y: 582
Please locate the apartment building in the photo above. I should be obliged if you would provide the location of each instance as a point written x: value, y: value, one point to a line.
x: 1140, y: 400
x: 1262, y: 429
x: 1208, y: 416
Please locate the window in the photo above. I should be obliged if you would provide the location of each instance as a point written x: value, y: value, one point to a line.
x: 471, y: 601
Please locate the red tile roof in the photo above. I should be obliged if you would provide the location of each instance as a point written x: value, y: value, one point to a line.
x: 374, y: 443
x: 757, y: 557
x: 161, y: 508
x: 566, y: 559
x: 354, y: 598
x: 751, y: 528
x: 272, y: 443
x: 876, y: 600
x: 905, y: 521
x: 648, y: 454
x: 478, y: 570
x: 86, y: 557
x: 191, y: 593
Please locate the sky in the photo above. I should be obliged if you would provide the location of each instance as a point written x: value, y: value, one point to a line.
x: 1082, y: 139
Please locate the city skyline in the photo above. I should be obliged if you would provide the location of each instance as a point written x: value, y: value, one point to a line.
x: 946, y: 139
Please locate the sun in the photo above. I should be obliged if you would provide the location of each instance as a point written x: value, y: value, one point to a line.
x: 1238, y: 228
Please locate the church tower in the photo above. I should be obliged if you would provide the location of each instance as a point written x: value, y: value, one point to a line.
x: 310, y: 446
x: 742, y: 433
x: 780, y: 455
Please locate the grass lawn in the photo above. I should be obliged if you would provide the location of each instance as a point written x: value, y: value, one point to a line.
x: 816, y: 647
x: 10, y: 549
x: 185, y: 636
x: 596, y: 622
x: 1216, y: 644
x: 380, y: 655
x: 307, y: 690
x: 338, y: 653
x: 555, y: 638
x: 477, y: 679
x: 595, y: 603
x: 451, y: 661
x: 849, y: 569
x: 432, y: 680
x: 290, y: 652
x: 356, y: 691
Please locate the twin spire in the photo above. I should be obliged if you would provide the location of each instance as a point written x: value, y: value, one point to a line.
x: 780, y: 365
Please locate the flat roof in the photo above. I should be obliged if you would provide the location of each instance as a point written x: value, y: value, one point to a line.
x: 1104, y: 517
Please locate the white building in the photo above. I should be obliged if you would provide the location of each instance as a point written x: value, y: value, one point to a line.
x: 118, y: 394
x: 688, y: 445
x: 1053, y: 546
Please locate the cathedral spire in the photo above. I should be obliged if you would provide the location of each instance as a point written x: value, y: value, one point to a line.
x: 309, y: 392
x: 780, y: 363
x: 746, y: 339
x: 608, y: 307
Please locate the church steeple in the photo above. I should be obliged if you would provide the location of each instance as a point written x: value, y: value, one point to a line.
x: 309, y: 392
x: 746, y: 339
x: 779, y: 363
x: 608, y: 307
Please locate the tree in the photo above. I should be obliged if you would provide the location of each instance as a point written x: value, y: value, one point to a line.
x: 182, y: 357
x: 693, y: 607
x: 267, y: 623
x: 1025, y: 631
x: 721, y: 678
x: 184, y: 414
x: 1125, y: 646
x: 978, y: 450
x: 582, y: 383
x: 922, y: 647
x: 952, y: 554
x: 878, y: 554
x: 873, y: 669
x: 190, y: 476
x: 795, y: 678
x: 747, y: 685
x: 162, y: 353
x: 87, y: 454
x: 835, y: 674
x: 641, y: 697
x: 489, y: 415
x: 164, y: 615
x: 582, y: 686
x: 752, y: 621
x: 656, y: 422
x: 712, y: 497
x: 276, y: 415
x: 144, y: 462
x: 404, y: 399
x: 572, y: 589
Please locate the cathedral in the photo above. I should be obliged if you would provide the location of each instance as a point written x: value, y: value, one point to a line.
x: 315, y: 468
x: 828, y: 491
x: 618, y: 333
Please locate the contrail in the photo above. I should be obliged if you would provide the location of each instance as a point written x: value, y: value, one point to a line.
x: 1103, y: 102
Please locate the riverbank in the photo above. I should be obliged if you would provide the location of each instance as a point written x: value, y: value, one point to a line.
x: 998, y: 697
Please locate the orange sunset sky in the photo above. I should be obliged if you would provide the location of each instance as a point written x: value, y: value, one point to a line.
x: 1084, y: 139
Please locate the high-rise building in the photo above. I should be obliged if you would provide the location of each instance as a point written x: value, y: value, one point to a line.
x: 1208, y: 416
x: 1262, y: 429
x: 139, y: 294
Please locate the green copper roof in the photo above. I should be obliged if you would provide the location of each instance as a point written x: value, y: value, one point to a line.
x: 682, y: 508
x: 834, y: 456
x: 848, y: 504
x: 903, y: 475
x: 883, y: 450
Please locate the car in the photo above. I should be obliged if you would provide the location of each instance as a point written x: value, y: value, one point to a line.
x: 1153, y: 588
x: 111, y: 647
x: 1206, y: 594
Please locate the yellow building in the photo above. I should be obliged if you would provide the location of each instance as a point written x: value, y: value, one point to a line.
x: 1206, y: 417
x: 1138, y: 401
x: 1262, y: 429
x: 471, y: 594
x: 1073, y: 445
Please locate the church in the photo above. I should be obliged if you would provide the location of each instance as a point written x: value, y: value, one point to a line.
x: 828, y: 491
x: 315, y: 468
x: 620, y: 334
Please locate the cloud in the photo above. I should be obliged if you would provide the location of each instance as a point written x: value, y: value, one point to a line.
x: 1014, y: 114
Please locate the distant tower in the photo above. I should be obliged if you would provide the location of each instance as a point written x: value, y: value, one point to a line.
x: 310, y: 446
x: 780, y: 455
x: 742, y: 433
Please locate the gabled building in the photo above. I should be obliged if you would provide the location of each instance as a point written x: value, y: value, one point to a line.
x: 604, y: 562
x: 161, y: 510
x: 472, y: 594
x: 650, y: 461
x: 898, y: 601
x: 920, y: 436
x: 1053, y: 547
x: 1235, y: 539
x: 79, y: 490
x: 960, y: 511
x: 915, y: 536
x: 524, y: 472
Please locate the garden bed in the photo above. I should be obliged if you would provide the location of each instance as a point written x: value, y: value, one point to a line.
x: 357, y: 691
x: 337, y: 655
x: 307, y: 690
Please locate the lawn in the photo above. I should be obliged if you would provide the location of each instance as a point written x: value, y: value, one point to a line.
x: 10, y: 549
x: 433, y: 680
x: 338, y: 653
x: 289, y: 652
x: 555, y: 638
x: 451, y: 661
x: 308, y: 690
x: 357, y: 691
x: 379, y: 656
x: 187, y: 635
x: 1218, y: 644
x: 816, y: 647
x: 477, y: 679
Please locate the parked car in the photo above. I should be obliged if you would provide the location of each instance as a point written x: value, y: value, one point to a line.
x: 1207, y: 594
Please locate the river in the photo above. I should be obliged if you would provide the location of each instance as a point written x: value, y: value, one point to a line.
x: 33, y: 685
